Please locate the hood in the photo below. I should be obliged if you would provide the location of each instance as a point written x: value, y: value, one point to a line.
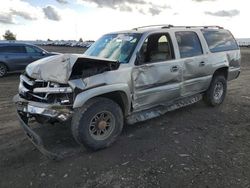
x: 60, y: 68
x: 54, y: 53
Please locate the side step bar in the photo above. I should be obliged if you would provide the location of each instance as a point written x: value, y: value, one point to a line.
x: 162, y: 109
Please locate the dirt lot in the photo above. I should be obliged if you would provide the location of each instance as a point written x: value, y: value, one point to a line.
x: 196, y: 146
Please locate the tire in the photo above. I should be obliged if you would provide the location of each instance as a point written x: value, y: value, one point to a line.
x: 216, y: 92
x: 97, y: 124
x: 3, y: 70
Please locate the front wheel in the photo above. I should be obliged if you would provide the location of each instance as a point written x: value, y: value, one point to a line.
x: 97, y: 124
x: 216, y: 93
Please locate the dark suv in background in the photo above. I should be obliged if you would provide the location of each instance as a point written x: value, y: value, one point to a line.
x: 16, y: 56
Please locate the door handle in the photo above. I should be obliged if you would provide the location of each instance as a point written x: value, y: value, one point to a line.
x: 174, y: 69
x: 202, y: 64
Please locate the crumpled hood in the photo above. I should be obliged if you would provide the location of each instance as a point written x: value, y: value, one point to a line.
x: 58, y: 68
x: 55, y: 68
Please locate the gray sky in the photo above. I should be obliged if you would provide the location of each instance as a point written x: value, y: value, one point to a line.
x: 89, y: 19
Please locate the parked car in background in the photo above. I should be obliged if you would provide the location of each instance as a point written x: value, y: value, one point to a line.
x: 16, y: 56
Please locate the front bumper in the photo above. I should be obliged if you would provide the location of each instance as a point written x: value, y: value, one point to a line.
x: 52, y: 111
x: 27, y: 109
x: 35, y: 138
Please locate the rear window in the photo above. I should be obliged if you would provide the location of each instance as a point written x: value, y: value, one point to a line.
x: 220, y: 40
x: 12, y: 49
x: 189, y: 44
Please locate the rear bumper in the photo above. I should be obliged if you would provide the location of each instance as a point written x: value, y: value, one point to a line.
x: 233, y: 73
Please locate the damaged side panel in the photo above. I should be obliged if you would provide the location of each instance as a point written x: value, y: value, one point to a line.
x: 155, y: 83
x: 197, y: 74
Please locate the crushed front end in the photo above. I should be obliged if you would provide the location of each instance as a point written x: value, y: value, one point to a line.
x: 43, y: 102
x: 48, y: 89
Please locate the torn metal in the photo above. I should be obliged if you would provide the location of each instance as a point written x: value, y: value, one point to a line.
x: 61, y: 68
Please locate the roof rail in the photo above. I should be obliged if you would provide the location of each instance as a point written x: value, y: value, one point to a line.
x: 205, y: 27
x: 167, y: 26
x: 159, y: 25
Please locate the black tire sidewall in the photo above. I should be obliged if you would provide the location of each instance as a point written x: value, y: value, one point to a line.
x: 5, y: 67
x: 210, y: 93
x: 83, y: 117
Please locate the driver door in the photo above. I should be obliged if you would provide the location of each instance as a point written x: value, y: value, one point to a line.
x: 158, y: 75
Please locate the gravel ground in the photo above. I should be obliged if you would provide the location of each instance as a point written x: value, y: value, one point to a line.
x: 196, y: 146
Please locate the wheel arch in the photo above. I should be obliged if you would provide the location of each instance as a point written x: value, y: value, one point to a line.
x: 119, y: 93
x: 1, y: 62
x: 221, y: 71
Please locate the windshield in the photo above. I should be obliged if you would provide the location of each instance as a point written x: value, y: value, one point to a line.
x: 118, y: 47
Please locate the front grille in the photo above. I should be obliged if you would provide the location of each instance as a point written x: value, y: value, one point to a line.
x: 26, y: 87
x: 28, y: 84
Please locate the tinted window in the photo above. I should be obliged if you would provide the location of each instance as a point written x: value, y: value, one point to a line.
x: 31, y: 49
x: 219, y: 40
x: 12, y: 49
x: 189, y: 44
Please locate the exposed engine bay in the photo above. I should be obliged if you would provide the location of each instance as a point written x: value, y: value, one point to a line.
x: 85, y: 67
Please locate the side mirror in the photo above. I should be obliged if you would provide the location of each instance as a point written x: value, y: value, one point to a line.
x: 43, y: 53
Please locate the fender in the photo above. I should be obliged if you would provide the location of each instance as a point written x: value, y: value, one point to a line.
x: 84, y: 96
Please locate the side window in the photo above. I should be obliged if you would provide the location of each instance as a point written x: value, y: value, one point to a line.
x: 156, y: 48
x: 13, y: 49
x: 31, y: 49
x: 220, y: 40
x: 189, y: 44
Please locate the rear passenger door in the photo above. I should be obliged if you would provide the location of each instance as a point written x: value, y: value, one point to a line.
x: 15, y: 56
x: 196, y: 77
x: 157, y: 76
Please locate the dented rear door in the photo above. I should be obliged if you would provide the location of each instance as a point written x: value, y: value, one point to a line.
x: 196, y: 69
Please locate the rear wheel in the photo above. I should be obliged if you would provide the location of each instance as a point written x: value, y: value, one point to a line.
x: 216, y: 93
x: 3, y: 70
x: 97, y: 124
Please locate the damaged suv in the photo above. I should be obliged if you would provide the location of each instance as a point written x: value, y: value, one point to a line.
x: 127, y: 76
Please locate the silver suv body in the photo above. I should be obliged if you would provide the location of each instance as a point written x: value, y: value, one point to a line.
x: 131, y: 75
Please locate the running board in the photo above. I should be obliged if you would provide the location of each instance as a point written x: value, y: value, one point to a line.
x: 162, y: 109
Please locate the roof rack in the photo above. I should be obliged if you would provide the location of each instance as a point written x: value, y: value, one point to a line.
x: 159, y: 25
x: 205, y: 27
x: 167, y: 26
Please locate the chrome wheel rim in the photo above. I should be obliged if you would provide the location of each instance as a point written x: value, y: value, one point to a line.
x: 102, y: 125
x: 2, y: 70
x: 218, y: 91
